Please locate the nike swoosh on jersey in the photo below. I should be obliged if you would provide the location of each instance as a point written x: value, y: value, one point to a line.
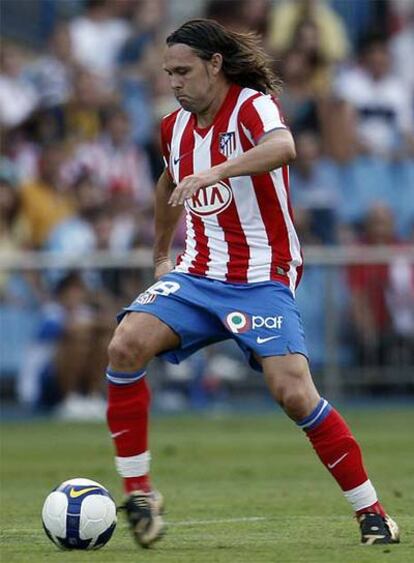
x: 73, y: 493
x: 261, y: 340
x: 332, y: 465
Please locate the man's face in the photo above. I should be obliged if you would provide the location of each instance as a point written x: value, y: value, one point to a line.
x: 377, y: 60
x: 191, y: 79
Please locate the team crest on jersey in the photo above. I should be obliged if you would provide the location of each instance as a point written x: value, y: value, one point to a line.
x: 210, y: 200
x: 227, y: 143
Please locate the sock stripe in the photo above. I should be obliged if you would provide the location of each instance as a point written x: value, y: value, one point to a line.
x: 133, y: 466
x: 321, y: 411
x: 117, y: 381
x: 362, y: 496
x: 124, y: 378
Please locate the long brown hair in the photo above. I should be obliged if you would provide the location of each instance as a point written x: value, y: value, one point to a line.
x: 244, y: 60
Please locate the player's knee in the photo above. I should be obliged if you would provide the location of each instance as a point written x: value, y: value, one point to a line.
x: 295, y: 402
x: 294, y: 391
x: 125, y: 353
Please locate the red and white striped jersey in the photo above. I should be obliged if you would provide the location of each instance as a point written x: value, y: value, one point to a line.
x: 239, y: 230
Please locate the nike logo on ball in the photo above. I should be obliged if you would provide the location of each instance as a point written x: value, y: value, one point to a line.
x: 332, y: 465
x: 261, y: 340
x: 75, y: 494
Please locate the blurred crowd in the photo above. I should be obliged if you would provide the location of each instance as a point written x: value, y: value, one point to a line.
x: 80, y: 155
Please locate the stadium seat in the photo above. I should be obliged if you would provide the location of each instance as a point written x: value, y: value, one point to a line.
x: 312, y: 301
x: 19, y: 327
x: 402, y: 196
x: 364, y: 181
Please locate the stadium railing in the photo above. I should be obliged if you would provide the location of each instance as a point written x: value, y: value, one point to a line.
x: 323, y: 297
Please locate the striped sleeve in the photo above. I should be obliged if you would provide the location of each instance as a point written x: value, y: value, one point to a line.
x: 166, y: 130
x: 259, y: 115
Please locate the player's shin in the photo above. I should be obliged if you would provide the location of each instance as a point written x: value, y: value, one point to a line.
x: 127, y: 416
x: 339, y: 451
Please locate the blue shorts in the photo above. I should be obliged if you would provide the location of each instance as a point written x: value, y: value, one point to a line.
x: 261, y: 317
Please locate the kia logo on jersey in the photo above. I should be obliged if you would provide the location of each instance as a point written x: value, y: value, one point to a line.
x: 210, y: 200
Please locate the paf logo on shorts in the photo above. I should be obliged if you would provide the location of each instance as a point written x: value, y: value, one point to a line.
x: 240, y: 322
x: 210, y: 200
x: 267, y: 322
x: 237, y: 322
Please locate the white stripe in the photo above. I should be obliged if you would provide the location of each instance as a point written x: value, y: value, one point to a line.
x: 217, y: 245
x: 317, y: 415
x: 293, y: 518
x: 362, y: 496
x: 284, y: 518
x: 294, y: 246
x: 218, y: 521
x: 268, y: 113
x: 125, y: 381
x: 178, y: 130
x: 218, y: 250
x: 189, y: 247
x: 133, y: 466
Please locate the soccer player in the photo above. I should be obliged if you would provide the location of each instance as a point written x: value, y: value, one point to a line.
x: 226, y: 154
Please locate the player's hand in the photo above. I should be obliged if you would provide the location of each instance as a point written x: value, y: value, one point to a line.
x: 188, y: 187
x: 162, y: 267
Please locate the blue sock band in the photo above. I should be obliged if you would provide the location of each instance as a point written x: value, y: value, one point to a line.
x: 124, y: 377
x: 318, y: 415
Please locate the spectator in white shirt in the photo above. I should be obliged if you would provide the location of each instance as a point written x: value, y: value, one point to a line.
x: 380, y: 100
x: 18, y: 98
x: 97, y: 37
x: 51, y: 75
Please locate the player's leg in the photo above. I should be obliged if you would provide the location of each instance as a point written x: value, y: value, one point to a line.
x: 138, y: 338
x: 169, y: 319
x: 290, y: 383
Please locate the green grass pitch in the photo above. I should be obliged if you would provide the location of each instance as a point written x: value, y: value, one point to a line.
x: 238, y: 489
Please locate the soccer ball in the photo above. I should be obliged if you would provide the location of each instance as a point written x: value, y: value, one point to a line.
x: 79, y: 514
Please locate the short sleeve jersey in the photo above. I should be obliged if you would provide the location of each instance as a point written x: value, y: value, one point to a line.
x: 239, y: 230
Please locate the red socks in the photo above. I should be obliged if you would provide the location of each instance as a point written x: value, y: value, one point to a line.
x: 338, y: 450
x: 127, y: 415
x: 330, y: 436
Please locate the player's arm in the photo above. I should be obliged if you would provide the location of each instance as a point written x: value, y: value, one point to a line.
x: 166, y: 220
x: 272, y: 151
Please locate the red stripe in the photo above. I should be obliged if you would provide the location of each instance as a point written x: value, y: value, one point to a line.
x: 273, y: 220
x: 250, y: 118
x: 166, y: 130
x: 285, y: 175
x: 285, y: 172
x: 200, y: 261
x: 229, y: 221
